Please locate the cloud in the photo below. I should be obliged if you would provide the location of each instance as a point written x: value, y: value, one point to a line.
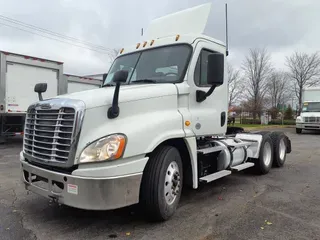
x: 281, y: 26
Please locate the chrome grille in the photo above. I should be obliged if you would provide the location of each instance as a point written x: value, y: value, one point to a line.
x: 312, y: 119
x: 49, y: 133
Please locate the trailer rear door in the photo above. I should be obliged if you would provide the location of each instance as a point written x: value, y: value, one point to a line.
x: 20, y: 82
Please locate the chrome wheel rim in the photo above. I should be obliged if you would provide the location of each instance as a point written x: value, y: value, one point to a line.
x: 282, y: 149
x: 172, y: 183
x: 267, y: 153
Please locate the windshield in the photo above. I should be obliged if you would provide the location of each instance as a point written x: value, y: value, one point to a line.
x: 159, y: 65
x: 311, y: 107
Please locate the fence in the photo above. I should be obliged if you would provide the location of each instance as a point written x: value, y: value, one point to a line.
x: 262, y: 117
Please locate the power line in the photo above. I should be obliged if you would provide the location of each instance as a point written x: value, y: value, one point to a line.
x: 49, y: 32
x: 56, y: 39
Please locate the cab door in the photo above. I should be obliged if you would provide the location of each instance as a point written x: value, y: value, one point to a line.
x: 209, y: 117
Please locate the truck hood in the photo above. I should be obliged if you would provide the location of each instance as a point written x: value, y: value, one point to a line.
x: 310, y: 114
x: 104, y: 96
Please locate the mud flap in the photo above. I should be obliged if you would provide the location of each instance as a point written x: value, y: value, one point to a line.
x: 288, y: 145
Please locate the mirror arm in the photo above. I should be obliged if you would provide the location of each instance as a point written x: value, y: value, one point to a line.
x: 40, y: 96
x: 201, y: 95
x: 114, y: 110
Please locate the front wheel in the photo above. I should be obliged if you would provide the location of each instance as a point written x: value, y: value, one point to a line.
x: 162, y: 183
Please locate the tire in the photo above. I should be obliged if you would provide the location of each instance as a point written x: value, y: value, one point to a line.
x: 280, y: 148
x: 264, y: 163
x: 164, y: 168
x: 298, y: 130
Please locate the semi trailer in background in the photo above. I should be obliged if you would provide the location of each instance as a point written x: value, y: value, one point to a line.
x: 79, y: 83
x: 18, y: 76
x: 309, y: 118
x: 98, y: 76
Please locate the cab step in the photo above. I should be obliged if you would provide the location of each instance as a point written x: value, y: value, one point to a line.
x: 215, y: 176
x: 242, y: 166
x: 211, y: 149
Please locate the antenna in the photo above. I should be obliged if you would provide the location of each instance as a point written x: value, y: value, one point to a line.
x: 227, y: 42
x: 141, y: 31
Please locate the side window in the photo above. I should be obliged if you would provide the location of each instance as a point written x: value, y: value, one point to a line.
x: 200, y: 73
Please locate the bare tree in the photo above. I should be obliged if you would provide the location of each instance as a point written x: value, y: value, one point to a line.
x: 278, y: 88
x: 304, y: 70
x: 235, y: 85
x: 257, y: 68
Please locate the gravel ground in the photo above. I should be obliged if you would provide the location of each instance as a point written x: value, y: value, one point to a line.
x: 280, y: 205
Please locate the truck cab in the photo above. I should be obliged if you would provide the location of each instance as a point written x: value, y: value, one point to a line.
x: 309, y: 118
x: 158, y: 123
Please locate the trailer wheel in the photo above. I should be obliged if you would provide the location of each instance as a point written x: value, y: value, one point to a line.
x: 264, y: 162
x: 280, y: 148
x: 162, y: 183
x: 298, y: 130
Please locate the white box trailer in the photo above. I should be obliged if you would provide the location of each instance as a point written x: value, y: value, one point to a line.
x: 18, y: 76
x: 78, y: 83
x: 311, y: 94
x: 99, y: 76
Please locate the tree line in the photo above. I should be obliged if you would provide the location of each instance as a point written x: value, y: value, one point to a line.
x: 258, y: 85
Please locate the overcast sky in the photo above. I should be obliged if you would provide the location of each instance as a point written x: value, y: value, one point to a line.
x: 281, y: 26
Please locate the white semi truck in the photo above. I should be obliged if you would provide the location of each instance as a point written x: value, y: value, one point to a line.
x: 18, y: 75
x: 309, y: 118
x: 158, y: 124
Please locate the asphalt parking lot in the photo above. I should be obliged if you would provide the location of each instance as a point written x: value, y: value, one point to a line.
x: 283, y: 204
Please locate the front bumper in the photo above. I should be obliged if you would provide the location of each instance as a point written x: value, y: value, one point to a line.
x: 306, y: 126
x: 82, y: 192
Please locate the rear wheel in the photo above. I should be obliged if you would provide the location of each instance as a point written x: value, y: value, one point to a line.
x: 264, y: 163
x: 162, y: 183
x: 280, y: 148
x: 298, y: 130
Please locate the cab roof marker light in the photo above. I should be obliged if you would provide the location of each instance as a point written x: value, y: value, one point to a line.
x: 144, y: 44
x: 138, y: 45
x: 152, y: 41
x: 177, y: 37
x: 121, y: 51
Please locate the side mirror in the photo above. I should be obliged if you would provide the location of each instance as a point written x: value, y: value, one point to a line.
x: 120, y: 76
x: 215, y: 72
x: 40, y: 88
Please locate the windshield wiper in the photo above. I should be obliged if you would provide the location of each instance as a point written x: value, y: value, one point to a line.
x: 144, y: 81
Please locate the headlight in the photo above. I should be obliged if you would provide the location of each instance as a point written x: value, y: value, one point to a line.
x: 299, y: 119
x: 107, y: 148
